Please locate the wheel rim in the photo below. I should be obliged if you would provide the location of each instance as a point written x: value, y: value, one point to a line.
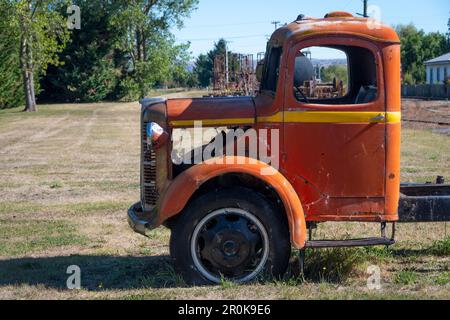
x: 230, y: 243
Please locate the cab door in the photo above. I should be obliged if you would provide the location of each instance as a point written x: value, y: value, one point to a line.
x: 335, y: 128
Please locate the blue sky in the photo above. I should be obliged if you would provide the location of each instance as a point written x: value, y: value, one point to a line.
x: 247, y: 23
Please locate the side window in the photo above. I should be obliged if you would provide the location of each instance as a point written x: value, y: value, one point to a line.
x: 272, y: 70
x: 335, y: 75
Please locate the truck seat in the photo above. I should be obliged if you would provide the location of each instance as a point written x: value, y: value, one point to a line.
x: 366, y: 94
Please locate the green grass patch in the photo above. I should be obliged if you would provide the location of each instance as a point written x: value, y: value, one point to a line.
x: 443, y: 279
x: 440, y: 248
x: 161, y: 234
x: 165, y: 277
x: 8, y: 207
x: 226, y: 284
x: 72, y: 208
x: 19, y: 237
x: 378, y: 254
x: 106, y: 185
x: 92, y: 207
x: 424, y: 155
x: 45, y: 111
x: 405, y: 277
x: 56, y: 185
x: 332, y: 265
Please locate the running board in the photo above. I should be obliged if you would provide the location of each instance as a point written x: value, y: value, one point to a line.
x: 369, y: 242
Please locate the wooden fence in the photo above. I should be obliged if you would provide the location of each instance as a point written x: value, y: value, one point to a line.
x: 432, y: 91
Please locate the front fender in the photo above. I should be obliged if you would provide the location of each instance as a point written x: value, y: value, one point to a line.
x: 180, y: 190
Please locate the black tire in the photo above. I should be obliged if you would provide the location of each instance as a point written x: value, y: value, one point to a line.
x: 259, y: 214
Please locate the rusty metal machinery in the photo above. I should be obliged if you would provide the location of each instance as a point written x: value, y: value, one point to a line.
x: 239, y: 79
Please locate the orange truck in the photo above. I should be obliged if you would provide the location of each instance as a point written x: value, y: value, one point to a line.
x: 337, y: 159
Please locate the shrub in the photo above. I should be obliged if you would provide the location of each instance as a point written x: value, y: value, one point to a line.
x: 408, y: 79
x: 128, y: 90
x: 405, y: 277
x: 332, y: 265
x: 440, y: 248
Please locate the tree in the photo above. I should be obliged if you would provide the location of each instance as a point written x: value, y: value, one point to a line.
x: 203, y: 69
x: 338, y: 72
x: 144, y: 28
x: 11, y: 88
x: 179, y: 72
x: 204, y: 65
x: 90, y: 67
x: 448, y: 33
x: 108, y: 58
x: 42, y: 34
x: 417, y: 48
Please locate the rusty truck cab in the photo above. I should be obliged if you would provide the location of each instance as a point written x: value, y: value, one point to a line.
x: 342, y: 155
x: 339, y: 154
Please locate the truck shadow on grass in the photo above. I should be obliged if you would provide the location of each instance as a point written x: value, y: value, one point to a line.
x: 102, y: 273
x: 98, y: 273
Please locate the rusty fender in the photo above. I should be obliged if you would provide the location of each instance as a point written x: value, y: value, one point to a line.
x: 185, y: 185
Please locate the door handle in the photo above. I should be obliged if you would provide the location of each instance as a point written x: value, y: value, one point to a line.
x: 379, y: 118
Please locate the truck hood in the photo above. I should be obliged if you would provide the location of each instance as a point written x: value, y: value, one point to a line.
x: 211, y: 111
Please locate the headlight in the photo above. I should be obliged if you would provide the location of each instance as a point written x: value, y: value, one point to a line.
x: 156, y: 136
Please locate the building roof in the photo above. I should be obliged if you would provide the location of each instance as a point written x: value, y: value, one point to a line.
x: 442, y: 59
x: 335, y: 23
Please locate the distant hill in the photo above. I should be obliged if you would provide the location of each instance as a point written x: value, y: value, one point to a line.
x: 329, y: 62
x: 321, y: 62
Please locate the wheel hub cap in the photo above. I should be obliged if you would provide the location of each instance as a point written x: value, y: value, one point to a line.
x: 230, y: 243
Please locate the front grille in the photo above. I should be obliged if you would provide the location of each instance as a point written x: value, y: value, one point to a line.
x: 149, y: 187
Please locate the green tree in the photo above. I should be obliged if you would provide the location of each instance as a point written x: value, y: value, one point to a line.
x: 11, y: 87
x: 179, y: 72
x: 448, y: 33
x: 417, y: 48
x: 91, y: 67
x: 204, y: 65
x: 42, y: 34
x: 203, y: 69
x: 338, y: 72
x: 144, y: 29
x: 123, y: 49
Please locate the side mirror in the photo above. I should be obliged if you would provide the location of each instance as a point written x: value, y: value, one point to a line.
x: 259, y: 70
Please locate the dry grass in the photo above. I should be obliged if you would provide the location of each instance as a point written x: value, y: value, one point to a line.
x: 69, y: 173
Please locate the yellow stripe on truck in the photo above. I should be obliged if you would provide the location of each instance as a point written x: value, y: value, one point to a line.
x: 212, y: 122
x: 341, y: 117
x: 302, y: 117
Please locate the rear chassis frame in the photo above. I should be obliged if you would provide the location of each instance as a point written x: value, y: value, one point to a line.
x: 424, y: 203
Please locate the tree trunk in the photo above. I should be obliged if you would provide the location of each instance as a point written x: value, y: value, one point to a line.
x: 30, y: 97
x: 28, y: 86
x: 138, y: 45
x: 144, y: 47
x: 26, y: 64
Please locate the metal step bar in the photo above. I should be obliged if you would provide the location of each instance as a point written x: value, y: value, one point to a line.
x: 351, y: 243
x: 368, y: 242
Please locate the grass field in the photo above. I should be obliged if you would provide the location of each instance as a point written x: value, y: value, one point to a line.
x: 69, y: 172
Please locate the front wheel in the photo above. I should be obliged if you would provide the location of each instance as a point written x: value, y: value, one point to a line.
x: 233, y: 234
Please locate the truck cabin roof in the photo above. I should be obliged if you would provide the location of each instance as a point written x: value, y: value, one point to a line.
x: 334, y: 23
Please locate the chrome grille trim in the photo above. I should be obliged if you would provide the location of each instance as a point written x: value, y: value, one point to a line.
x: 150, y: 192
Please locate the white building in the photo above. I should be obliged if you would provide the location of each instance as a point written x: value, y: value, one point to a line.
x: 438, y: 69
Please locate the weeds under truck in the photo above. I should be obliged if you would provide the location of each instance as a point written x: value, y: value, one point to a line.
x: 339, y: 154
